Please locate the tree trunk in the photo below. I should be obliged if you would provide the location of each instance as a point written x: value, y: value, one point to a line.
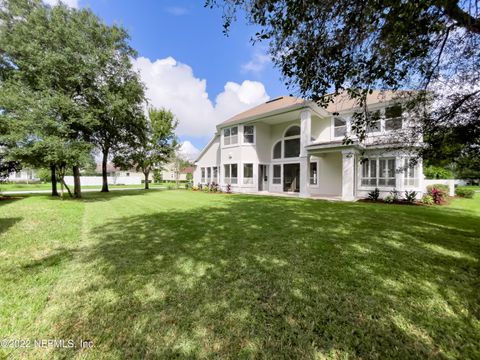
x: 77, y: 191
x: 146, y: 180
x: 104, y: 171
x: 54, y: 180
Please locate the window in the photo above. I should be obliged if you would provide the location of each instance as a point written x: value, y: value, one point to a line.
x: 369, y: 172
x: 313, y: 173
x: 386, y: 172
x: 203, y: 175
x: 209, y: 175
x: 230, y: 136
x: 375, y: 124
x: 277, y: 174
x: 293, y: 131
x: 248, y: 134
x: 215, y: 174
x: 411, y: 173
x: 340, y: 127
x: 231, y: 173
x: 277, y: 150
x: 393, y: 118
x: 292, y: 148
x: 248, y: 173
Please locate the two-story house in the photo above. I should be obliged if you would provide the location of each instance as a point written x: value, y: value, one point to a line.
x: 290, y: 145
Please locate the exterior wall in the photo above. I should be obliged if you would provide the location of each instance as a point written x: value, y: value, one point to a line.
x: 22, y: 175
x: 112, y: 180
x: 321, y: 129
x: 210, y: 158
x: 329, y: 174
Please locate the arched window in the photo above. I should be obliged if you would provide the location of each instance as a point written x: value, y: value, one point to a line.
x: 277, y: 150
x: 293, y: 131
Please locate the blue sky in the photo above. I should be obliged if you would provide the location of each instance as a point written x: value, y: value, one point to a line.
x: 190, y: 36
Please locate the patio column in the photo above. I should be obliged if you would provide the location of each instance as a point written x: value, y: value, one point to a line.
x: 348, y: 175
x: 305, y: 135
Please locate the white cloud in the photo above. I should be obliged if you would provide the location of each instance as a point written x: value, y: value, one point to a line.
x: 173, y: 85
x: 176, y: 10
x: 188, y: 150
x: 256, y: 64
x: 70, y: 3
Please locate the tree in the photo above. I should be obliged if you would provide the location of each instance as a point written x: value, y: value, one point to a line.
x: 154, y: 147
x: 117, y: 99
x: 67, y: 82
x: 325, y: 48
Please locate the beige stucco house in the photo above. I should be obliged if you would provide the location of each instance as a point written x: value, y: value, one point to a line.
x: 290, y: 145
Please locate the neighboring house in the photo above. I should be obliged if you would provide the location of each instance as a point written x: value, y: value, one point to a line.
x: 117, y: 172
x: 290, y: 145
x: 169, y: 172
x: 24, y: 175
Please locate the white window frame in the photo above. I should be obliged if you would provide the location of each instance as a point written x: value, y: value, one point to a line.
x: 227, y: 140
x: 378, y: 176
x: 254, y: 135
x: 410, y: 181
x: 230, y: 180
x: 279, y: 179
x: 315, y: 177
x: 209, y: 175
x: 282, y: 141
x: 385, y: 119
x: 247, y: 180
x: 334, y: 127
x: 202, y: 175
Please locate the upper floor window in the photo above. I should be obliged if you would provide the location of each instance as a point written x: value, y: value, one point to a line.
x: 292, y: 148
x: 293, y: 131
x: 339, y: 127
x: 230, y: 136
x: 277, y: 150
x: 375, y: 124
x: 289, y: 146
x: 248, y: 134
x: 393, y: 118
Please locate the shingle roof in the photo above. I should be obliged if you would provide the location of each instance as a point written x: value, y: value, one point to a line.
x: 281, y: 102
x: 343, y: 102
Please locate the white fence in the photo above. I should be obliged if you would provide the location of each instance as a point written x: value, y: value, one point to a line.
x: 112, y: 180
x: 450, y: 182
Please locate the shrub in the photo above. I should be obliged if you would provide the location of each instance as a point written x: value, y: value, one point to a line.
x: 389, y: 199
x: 229, y: 188
x: 374, y: 194
x: 410, y: 196
x: 395, y: 194
x: 206, y: 188
x: 442, y: 187
x: 466, y: 193
x: 195, y: 188
x: 437, y: 195
x: 436, y: 172
x: 427, y: 200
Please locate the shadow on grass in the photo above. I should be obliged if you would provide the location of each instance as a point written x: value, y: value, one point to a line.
x: 7, y: 223
x: 268, y: 277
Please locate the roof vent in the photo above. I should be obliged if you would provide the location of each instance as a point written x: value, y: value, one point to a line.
x: 274, y: 99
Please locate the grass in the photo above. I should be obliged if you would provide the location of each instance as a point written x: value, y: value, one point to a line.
x: 48, y: 186
x: 177, y: 274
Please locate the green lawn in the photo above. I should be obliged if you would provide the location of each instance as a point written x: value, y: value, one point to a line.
x: 177, y: 274
x: 48, y: 186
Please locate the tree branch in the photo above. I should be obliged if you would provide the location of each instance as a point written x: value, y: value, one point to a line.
x: 463, y: 18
